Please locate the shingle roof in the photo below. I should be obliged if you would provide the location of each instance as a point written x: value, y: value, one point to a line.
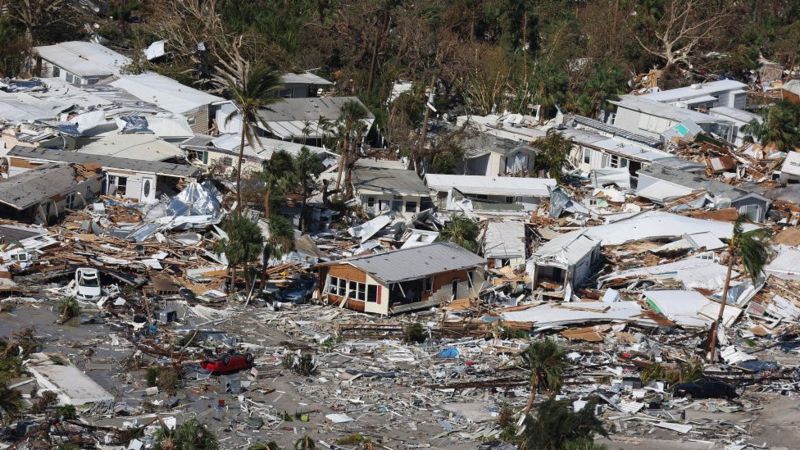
x: 34, y: 186
x: 107, y: 162
x: 415, y: 262
x: 388, y: 181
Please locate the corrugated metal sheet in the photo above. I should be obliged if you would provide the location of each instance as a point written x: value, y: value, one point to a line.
x: 504, y: 240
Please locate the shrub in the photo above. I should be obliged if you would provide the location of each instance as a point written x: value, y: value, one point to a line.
x: 556, y: 425
x: 302, y: 365
x: 414, y: 333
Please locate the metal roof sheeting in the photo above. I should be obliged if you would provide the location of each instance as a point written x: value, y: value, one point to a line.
x: 85, y: 59
x: 478, y: 184
x: 504, y: 240
x: 34, y: 186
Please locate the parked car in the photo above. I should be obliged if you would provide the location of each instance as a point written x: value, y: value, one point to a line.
x: 298, y: 292
x: 87, y: 284
x: 228, y: 363
x: 706, y: 388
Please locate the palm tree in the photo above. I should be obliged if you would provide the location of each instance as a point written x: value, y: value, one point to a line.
x: 350, y: 130
x: 191, y: 435
x: 278, y: 174
x: 463, y: 231
x: 307, y: 168
x: 553, y: 150
x: 251, y: 87
x: 779, y: 126
x: 243, y: 244
x: 547, y: 88
x: 305, y: 443
x: 546, y: 361
x: 752, y: 248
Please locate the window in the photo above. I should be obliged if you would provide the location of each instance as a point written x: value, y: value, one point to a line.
x: 342, y: 286
x: 70, y: 201
x: 753, y: 212
x: 411, y: 207
x: 587, y: 156
x: 397, y: 205
x: 362, y: 291
x: 117, y: 185
x: 427, y: 284
x: 352, y: 290
x: 370, y: 201
x: 509, y: 199
x: 146, y: 189
x: 618, y: 162
x: 227, y: 161
x: 56, y: 72
x: 197, y: 156
x: 372, y: 293
x: 70, y: 78
x: 333, y: 286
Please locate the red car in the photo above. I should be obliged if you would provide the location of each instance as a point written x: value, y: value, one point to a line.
x: 226, y: 364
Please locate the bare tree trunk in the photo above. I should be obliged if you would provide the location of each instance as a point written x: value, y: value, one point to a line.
x: 268, y: 203
x: 423, y: 132
x: 375, y: 50
x: 713, y: 338
x: 531, y: 396
x: 342, y: 160
x: 233, y: 278
x: 239, y: 171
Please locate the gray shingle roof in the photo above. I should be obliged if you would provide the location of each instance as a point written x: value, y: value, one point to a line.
x: 389, y: 181
x: 107, y: 162
x: 34, y: 186
x: 415, y: 262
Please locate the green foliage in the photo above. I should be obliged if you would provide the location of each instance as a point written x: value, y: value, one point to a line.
x: 45, y: 401
x: 353, y: 439
x: 414, y: 333
x: 507, y: 423
x: 281, y: 235
x: 244, y: 240
x: 552, y: 157
x: 168, y: 380
x: 556, y: 426
x: 305, y: 443
x: 302, y: 365
x: 605, y: 82
x: 66, y: 412
x: 780, y: 126
x: 151, y: 376
x: 68, y: 308
x: 190, y: 435
x: 684, y: 373
x: 11, y: 403
x: 751, y: 246
x: 546, y: 361
x: 463, y: 231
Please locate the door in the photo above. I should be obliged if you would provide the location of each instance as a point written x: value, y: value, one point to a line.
x: 148, y: 189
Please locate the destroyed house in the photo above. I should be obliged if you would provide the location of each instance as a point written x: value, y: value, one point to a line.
x: 662, y: 185
x: 301, y: 85
x: 488, y: 193
x: 489, y: 155
x: 591, y: 151
x: 44, y: 194
x: 722, y: 93
x: 655, y: 119
x: 564, y: 263
x: 402, y: 280
x: 128, y: 178
x: 380, y: 189
x: 303, y: 118
x: 79, y: 62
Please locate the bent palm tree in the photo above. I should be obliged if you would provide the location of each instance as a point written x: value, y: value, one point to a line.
x: 751, y: 246
x: 461, y: 231
x: 251, y: 88
x: 546, y: 361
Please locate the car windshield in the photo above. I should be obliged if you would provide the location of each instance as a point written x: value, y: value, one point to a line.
x: 90, y: 282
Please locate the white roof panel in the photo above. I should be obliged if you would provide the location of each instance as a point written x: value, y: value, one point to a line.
x: 504, y: 240
x: 86, y: 59
x: 165, y: 92
x: 478, y: 184
x: 696, y: 90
